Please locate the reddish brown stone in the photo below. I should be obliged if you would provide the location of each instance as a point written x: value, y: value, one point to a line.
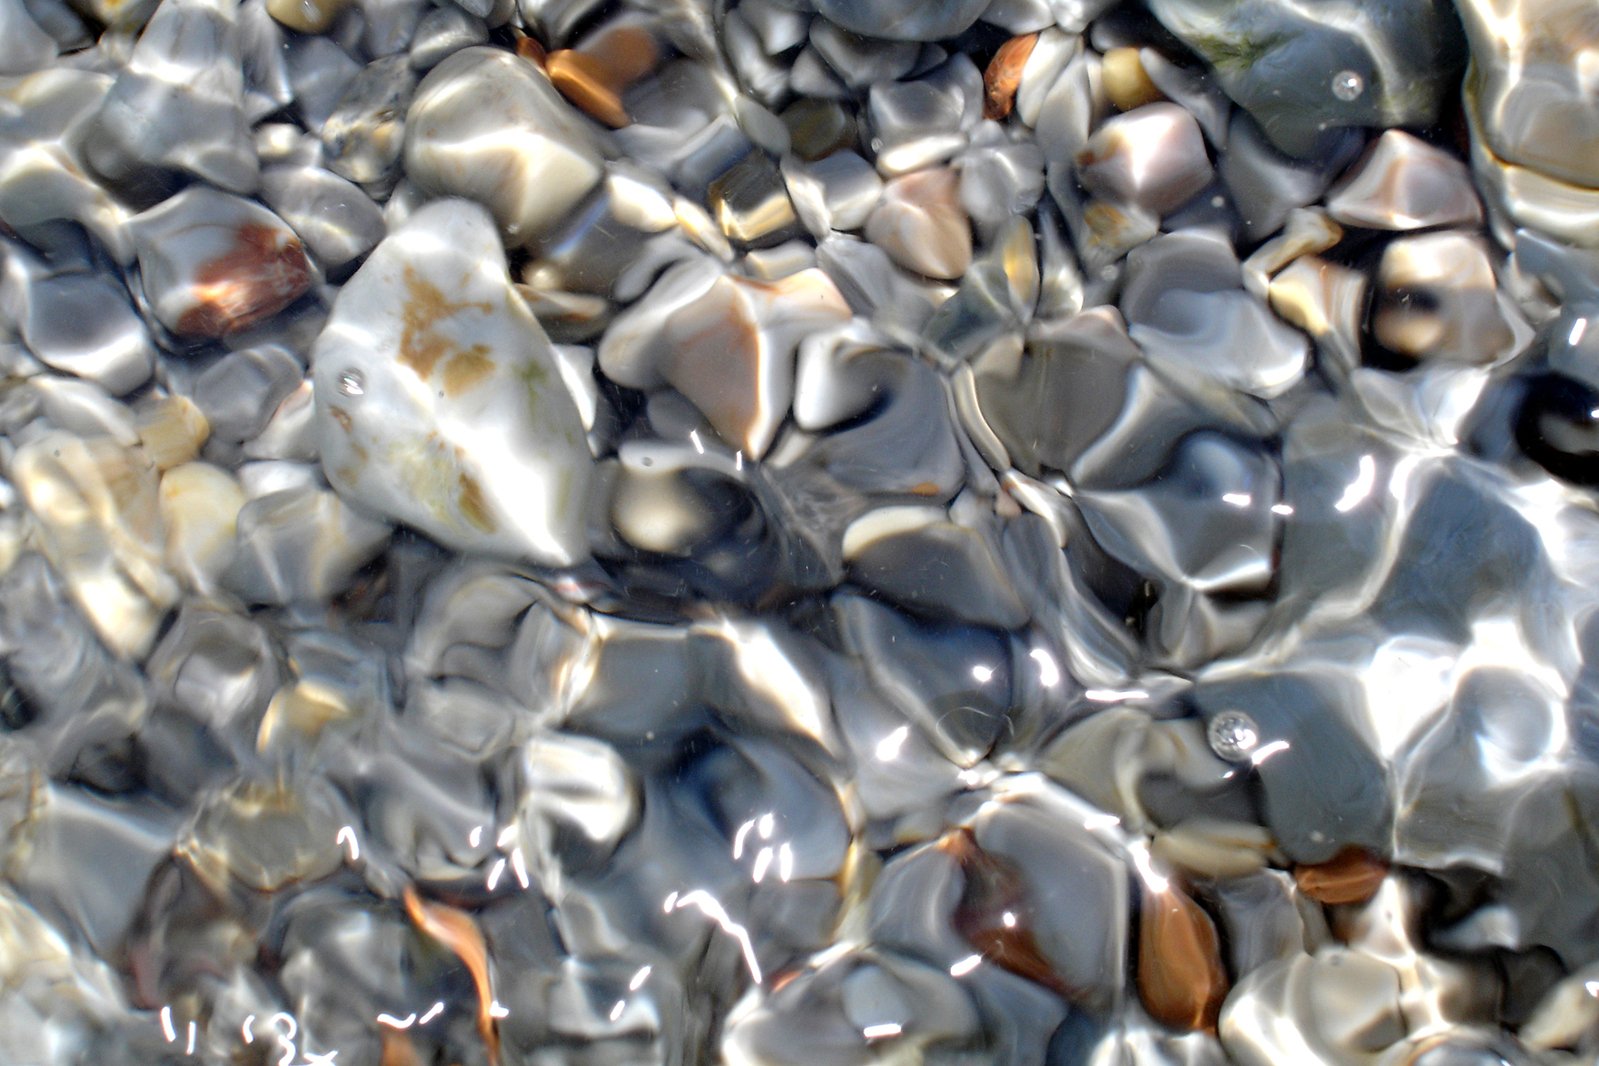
x: 265, y: 271
x: 1351, y: 876
x: 1180, y: 976
x: 1004, y: 74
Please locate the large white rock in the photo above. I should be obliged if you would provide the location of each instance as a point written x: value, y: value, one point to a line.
x: 438, y: 399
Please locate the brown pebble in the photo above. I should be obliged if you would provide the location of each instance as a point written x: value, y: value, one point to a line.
x: 1004, y: 74
x: 531, y: 50
x: 1180, y: 976
x: 582, y: 81
x: 594, y: 76
x: 264, y: 271
x: 1351, y: 876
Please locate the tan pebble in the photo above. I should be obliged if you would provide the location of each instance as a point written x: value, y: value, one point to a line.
x: 920, y: 224
x: 1004, y: 74
x: 1126, y: 82
x: 171, y: 429
x: 1180, y: 976
x: 1351, y: 876
x: 306, y: 16
x: 200, y: 506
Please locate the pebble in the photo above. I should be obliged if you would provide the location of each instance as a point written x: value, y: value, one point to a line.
x: 214, y: 264
x: 431, y: 360
x: 455, y: 146
x: 919, y: 222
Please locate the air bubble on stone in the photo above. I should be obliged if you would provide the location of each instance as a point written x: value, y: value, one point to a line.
x: 1233, y: 735
x: 1348, y: 85
x: 352, y: 383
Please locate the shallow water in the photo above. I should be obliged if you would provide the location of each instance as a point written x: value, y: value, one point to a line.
x: 798, y: 531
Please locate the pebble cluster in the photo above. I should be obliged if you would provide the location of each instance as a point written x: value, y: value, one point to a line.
x: 814, y: 532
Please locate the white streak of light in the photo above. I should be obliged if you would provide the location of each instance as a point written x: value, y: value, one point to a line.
x: 346, y: 837
x: 519, y: 867
x: 1152, y: 878
x: 888, y: 748
x: 983, y: 674
x: 475, y: 837
x: 1284, y: 509
x: 1266, y: 751
x: 1360, y: 488
x: 882, y: 1030
x: 244, y: 1030
x: 965, y: 966
x: 738, y: 839
x: 188, y: 1048
x: 1101, y: 821
x: 763, y: 859
x: 785, y: 861
x: 498, y: 1010
x: 432, y: 1012
x: 1048, y: 669
x: 766, y: 824
x: 1115, y: 695
x: 638, y: 979
x: 166, y: 1025
x: 397, y: 1023
x: 694, y: 439
x: 1237, y: 499
x: 1578, y: 328
x: 507, y: 835
x: 495, y: 873
x: 617, y: 1008
x: 712, y: 908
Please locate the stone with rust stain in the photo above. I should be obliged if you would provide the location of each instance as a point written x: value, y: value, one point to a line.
x: 594, y: 75
x: 1180, y: 976
x: 1351, y: 876
x: 1004, y: 75
x: 214, y: 264
x: 439, y: 402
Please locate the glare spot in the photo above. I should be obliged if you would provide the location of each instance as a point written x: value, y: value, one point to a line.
x: 1360, y: 488
x: 346, y: 836
x: 882, y: 1030
x: 1237, y: 499
x: 712, y: 908
x: 1578, y: 328
x: 1153, y: 879
x: 166, y: 1025
x: 1283, y: 509
x: 475, y: 837
x: 694, y: 439
x: 1267, y: 751
x: 889, y: 747
x: 617, y: 1008
x: 431, y: 1013
x: 982, y: 673
x: 639, y: 978
x: 785, y: 861
x: 965, y: 966
x: 397, y: 1023
x: 1009, y: 919
x: 1048, y: 669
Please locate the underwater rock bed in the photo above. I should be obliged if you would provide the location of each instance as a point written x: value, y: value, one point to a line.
x: 799, y: 532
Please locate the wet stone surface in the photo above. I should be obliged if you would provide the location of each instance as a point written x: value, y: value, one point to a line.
x: 827, y: 532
